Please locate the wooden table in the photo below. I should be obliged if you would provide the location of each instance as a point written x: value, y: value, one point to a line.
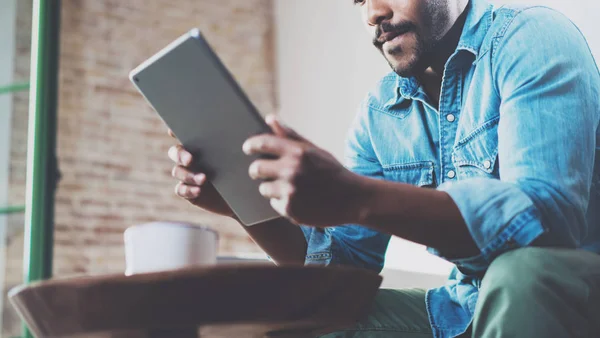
x: 221, y: 301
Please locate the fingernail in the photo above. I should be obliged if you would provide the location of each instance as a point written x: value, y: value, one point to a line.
x: 182, y: 190
x: 172, y: 153
x: 195, y: 191
x: 246, y: 148
x: 253, y: 170
x: 199, y: 179
x: 270, y: 119
x: 186, y: 158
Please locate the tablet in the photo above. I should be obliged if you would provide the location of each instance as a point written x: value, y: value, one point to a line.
x: 199, y: 100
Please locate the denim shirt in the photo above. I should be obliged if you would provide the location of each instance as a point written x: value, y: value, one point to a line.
x: 514, y: 143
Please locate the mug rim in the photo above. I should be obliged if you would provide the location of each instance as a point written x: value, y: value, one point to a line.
x: 175, y: 224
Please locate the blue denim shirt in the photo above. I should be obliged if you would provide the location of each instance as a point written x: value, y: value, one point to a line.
x: 514, y: 143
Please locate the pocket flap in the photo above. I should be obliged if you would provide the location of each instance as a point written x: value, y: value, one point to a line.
x: 415, y: 173
x: 479, y: 149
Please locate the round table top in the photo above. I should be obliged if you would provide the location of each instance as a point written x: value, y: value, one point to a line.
x: 221, y: 301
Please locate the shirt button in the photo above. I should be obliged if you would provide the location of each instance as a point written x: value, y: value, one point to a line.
x: 451, y: 174
x: 450, y: 117
x: 487, y: 164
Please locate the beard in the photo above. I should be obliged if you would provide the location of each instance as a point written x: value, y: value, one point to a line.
x: 410, y: 60
x: 414, y: 58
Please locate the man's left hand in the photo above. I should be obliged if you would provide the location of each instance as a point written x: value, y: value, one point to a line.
x: 303, y: 182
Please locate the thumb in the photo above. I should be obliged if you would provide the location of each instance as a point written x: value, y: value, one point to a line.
x: 282, y: 130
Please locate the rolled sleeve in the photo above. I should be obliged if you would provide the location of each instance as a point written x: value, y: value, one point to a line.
x: 546, y: 141
x: 499, y: 215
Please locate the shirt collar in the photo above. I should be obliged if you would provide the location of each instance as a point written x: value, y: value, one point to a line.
x: 477, y: 24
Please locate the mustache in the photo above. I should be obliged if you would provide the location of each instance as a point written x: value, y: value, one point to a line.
x: 393, y: 29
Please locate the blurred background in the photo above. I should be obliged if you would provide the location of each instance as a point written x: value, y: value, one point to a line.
x: 310, y: 61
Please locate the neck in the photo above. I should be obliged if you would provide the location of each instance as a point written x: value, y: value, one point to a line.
x: 447, y: 45
x: 431, y: 77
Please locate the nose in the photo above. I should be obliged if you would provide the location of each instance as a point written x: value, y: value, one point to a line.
x: 378, y: 11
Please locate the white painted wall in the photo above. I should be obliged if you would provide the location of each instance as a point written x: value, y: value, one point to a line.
x: 7, y: 52
x: 327, y: 64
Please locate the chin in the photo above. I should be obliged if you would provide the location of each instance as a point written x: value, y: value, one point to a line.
x: 405, y: 59
x: 404, y: 67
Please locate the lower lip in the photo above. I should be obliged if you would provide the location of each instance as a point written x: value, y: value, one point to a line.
x: 396, y: 41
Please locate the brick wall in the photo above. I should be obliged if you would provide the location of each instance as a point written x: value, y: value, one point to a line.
x: 111, y: 146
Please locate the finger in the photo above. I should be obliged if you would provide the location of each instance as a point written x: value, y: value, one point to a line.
x: 188, y: 177
x: 276, y: 189
x: 280, y: 129
x: 275, y: 126
x: 268, y: 145
x: 188, y: 192
x: 280, y: 206
x: 180, y: 156
x: 171, y: 133
x: 264, y: 170
x: 270, y: 189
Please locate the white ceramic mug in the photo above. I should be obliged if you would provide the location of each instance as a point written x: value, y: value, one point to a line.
x: 163, y: 246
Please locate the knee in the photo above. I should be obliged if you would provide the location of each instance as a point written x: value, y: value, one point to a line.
x: 516, y: 273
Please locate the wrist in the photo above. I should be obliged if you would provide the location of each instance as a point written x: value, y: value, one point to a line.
x: 360, y: 200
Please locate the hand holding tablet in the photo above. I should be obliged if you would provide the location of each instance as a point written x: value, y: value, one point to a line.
x: 201, y: 103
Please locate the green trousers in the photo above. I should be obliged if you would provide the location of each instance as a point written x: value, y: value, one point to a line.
x: 530, y: 292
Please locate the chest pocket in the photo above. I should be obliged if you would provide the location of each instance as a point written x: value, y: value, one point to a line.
x: 416, y: 173
x: 477, y: 154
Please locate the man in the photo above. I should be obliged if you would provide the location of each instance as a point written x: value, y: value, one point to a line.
x: 482, y: 145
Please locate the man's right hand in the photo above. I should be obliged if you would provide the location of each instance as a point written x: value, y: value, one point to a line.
x: 194, y: 186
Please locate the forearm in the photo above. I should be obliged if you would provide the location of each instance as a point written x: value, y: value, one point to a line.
x: 425, y: 216
x: 283, y: 241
